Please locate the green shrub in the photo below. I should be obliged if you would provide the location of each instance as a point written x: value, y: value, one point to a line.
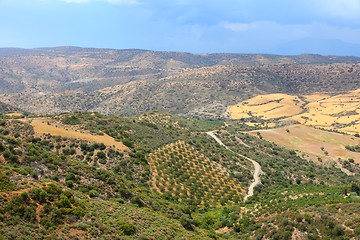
x: 38, y: 194
x: 71, y: 120
x: 101, y: 155
x: 93, y: 193
x: 127, y: 227
x: 128, y: 143
x: 6, y: 153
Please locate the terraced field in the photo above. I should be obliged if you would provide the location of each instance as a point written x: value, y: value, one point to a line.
x: 338, y: 112
x: 268, y: 106
x: 184, y: 173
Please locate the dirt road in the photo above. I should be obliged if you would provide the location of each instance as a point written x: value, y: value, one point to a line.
x: 257, y: 166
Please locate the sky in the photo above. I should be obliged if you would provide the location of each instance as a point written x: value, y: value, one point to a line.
x: 327, y: 27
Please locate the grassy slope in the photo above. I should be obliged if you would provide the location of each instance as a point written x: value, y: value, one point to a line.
x: 54, y: 186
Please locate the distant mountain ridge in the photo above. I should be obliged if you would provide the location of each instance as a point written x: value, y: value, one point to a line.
x: 210, y: 58
x: 127, y: 82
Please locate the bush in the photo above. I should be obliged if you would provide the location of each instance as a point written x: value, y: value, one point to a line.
x: 101, y: 155
x: 64, y: 201
x: 6, y: 153
x: 186, y: 222
x: 5, y: 183
x: 2, y: 147
x: 93, y: 193
x: 71, y: 120
x: 127, y: 227
x: 102, y: 146
x: 38, y: 194
x: 137, y: 201
x: 128, y: 143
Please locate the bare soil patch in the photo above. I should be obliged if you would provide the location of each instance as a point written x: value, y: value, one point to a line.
x: 41, y: 126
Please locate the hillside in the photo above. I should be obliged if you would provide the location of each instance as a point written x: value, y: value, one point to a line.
x: 320, y: 146
x: 7, y: 109
x: 128, y: 82
x: 137, y: 144
x: 171, y: 180
x: 330, y: 111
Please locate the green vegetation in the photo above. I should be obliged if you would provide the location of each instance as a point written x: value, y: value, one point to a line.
x: 353, y: 148
x: 181, y: 172
x: 282, y: 167
x: 71, y: 120
x: 174, y: 182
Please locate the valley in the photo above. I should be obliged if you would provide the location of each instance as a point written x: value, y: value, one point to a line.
x: 177, y: 176
x: 137, y: 144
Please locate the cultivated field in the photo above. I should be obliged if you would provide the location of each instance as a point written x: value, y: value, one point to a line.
x: 270, y: 106
x: 47, y: 126
x: 338, y: 112
x: 159, y: 119
x: 187, y: 175
x: 313, y: 142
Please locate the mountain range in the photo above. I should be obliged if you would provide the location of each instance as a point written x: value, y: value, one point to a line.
x: 127, y: 82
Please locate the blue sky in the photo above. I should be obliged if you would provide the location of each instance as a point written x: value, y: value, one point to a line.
x: 329, y: 27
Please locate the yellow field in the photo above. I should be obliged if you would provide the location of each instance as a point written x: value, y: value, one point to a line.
x: 340, y: 112
x: 267, y: 107
x: 41, y: 126
x: 316, y: 97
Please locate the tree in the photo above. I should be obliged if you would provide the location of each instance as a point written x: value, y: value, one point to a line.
x: 128, y: 143
x: 101, y: 155
x: 127, y: 227
x: 6, y: 153
x: 186, y: 222
x: 355, y: 188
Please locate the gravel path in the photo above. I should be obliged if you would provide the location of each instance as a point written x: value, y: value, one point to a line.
x: 257, y: 166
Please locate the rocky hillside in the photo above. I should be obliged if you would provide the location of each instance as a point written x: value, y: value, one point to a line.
x: 128, y: 82
x: 6, y: 108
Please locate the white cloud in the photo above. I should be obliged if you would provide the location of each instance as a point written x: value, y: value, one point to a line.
x: 76, y: 1
x: 122, y: 1
x: 347, y: 9
x: 286, y: 32
x: 238, y: 27
x: 107, y: 1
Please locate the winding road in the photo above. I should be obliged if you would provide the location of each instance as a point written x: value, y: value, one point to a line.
x: 257, y: 166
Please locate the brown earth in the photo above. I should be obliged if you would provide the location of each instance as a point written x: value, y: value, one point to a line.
x: 311, y: 141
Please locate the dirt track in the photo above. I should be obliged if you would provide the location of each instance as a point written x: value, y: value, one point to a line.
x: 257, y: 166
